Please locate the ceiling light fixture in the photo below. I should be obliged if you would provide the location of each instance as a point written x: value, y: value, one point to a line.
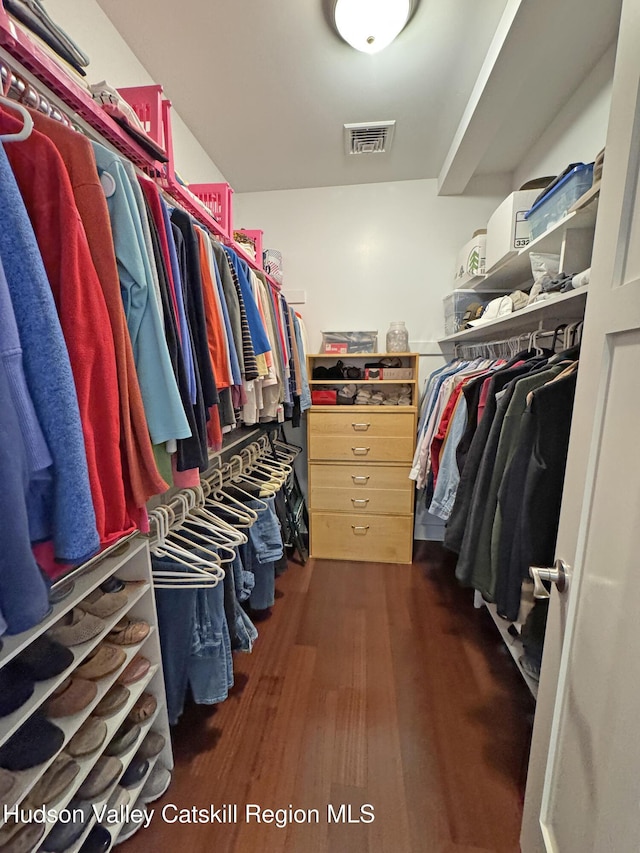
x: 371, y: 25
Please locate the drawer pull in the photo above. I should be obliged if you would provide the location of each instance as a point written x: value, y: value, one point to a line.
x: 361, y: 427
x: 359, y: 501
x: 360, y: 451
x: 364, y: 480
x: 359, y: 530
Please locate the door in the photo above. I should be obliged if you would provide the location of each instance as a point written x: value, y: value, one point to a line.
x: 583, y: 790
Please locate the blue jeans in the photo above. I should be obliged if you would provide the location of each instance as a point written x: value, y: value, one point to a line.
x: 194, y: 640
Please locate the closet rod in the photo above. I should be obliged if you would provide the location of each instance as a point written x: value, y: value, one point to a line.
x: 499, y: 346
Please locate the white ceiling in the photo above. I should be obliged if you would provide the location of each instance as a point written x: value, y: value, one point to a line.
x: 266, y: 85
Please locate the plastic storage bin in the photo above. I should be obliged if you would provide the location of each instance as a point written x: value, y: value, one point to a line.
x: 555, y: 205
x: 455, y: 306
x: 345, y: 342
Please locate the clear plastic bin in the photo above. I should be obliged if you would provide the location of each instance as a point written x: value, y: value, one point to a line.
x: 349, y: 342
x: 455, y: 305
x: 555, y: 205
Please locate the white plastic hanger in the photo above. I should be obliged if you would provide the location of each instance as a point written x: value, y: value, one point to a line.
x: 246, y: 515
x: 175, y: 537
x: 202, y: 574
x: 239, y: 477
x: 27, y: 125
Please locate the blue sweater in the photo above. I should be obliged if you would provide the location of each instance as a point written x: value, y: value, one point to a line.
x: 160, y: 396
x: 63, y: 508
x: 23, y: 594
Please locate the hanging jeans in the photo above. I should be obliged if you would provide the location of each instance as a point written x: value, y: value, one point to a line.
x: 194, y: 640
x: 210, y: 664
x: 176, y: 624
x: 261, y: 552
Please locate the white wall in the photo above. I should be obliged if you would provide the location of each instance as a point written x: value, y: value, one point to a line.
x: 368, y: 254
x: 579, y: 130
x: 114, y: 61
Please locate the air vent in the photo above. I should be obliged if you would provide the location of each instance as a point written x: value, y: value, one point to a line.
x: 368, y: 137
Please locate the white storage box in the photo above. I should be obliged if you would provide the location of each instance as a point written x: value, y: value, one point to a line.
x: 507, y: 230
x: 471, y: 260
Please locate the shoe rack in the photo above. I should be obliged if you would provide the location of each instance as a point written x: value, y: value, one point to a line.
x: 131, y: 563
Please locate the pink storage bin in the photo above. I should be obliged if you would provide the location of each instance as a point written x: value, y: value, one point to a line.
x: 217, y: 198
x: 147, y: 104
x: 255, y: 235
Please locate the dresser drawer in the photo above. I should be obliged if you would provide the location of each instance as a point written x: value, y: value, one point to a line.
x: 370, y: 538
x: 361, y: 447
x: 343, y: 476
x: 362, y: 424
x: 357, y: 500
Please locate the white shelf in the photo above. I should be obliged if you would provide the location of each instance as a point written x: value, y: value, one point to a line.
x: 115, y: 829
x: 84, y: 584
x: 113, y: 724
x: 514, y: 645
x: 43, y: 689
x: 563, y: 306
x: 517, y: 269
x: 26, y: 779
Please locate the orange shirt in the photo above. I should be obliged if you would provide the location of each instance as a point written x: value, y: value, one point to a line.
x: 215, y: 325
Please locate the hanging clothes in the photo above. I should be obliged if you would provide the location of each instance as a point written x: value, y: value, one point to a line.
x: 141, y: 477
x: 163, y: 407
x: 60, y: 508
x: 23, y: 594
x: 44, y: 185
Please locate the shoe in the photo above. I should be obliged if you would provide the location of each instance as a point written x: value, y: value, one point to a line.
x: 123, y: 739
x: 76, y: 627
x: 152, y: 745
x: 136, y: 670
x: 73, y: 696
x: 60, y: 590
x: 130, y: 828
x: 135, y: 773
x: 25, y: 839
x: 35, y: 742
x: 45, y: 658
x: 101, y: 662
x: 103, y: 774
x: 128, y: 632
x: 119, y: 798
x: 113, y: 701
x: 104, y: 604
x: 112, y: 584
x: 64, y: 835
x: 98, y: 840
x: 156, y: 785
x: 54, y: 782
x: 7, y: 787
x: 88, y: 739
x: 16, y: 688
x: 144, y: 708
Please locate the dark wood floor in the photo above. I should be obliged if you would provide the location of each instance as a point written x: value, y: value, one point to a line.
x: 370, y: 684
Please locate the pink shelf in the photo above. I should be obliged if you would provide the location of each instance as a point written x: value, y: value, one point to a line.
x: 18, y: 43
x: 155, y: 113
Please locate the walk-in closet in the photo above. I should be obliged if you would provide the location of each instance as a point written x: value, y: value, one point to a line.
x: 319, y: 335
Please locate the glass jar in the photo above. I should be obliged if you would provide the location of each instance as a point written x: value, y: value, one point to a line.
x: 397, y: 338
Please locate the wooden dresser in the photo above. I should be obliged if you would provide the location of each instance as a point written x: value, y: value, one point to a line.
x: 360, y: 495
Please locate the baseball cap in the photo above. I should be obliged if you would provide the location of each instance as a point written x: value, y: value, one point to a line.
x: 495, y: 309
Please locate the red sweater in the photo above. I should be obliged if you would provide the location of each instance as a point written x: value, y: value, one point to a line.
x: 141, y: 477
x: 48, y: 197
